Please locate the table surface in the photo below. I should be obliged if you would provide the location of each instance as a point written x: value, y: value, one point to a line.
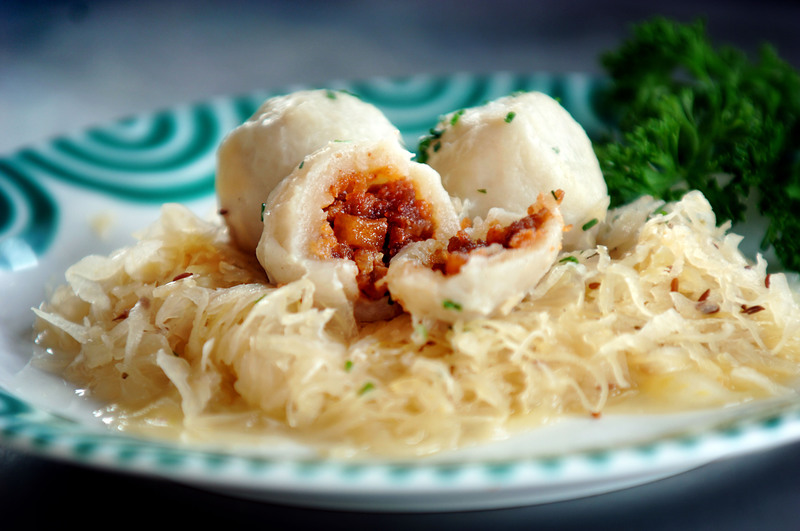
x: 73, y: 64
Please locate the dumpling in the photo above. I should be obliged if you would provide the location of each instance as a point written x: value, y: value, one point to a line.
x: 255, y: 156
x: 342, y: 215
x: 481, y: 271
x: 503, y: 154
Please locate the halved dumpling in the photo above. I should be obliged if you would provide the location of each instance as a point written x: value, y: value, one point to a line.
x: 341, y: 217
x: 255, y: 156
x: 504, y: 153
x: 481, y: 271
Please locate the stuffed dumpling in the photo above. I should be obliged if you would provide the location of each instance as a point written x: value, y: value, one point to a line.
x: 344, y: 214
x: 482, y: 271
x: 508, y: 151
x: 255, y: 156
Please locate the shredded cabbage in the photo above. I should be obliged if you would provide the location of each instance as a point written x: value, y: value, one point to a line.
x: 183, y: 330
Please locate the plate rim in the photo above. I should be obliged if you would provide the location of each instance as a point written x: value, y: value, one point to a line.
x: 786, y: 421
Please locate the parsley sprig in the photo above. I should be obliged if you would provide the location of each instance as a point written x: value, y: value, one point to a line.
x: 690, y: 115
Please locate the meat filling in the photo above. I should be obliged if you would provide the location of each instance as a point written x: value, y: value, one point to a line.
x: 520, y: 233
x: 370, y: 220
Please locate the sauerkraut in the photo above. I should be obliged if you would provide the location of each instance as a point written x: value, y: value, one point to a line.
x: 183, y: 330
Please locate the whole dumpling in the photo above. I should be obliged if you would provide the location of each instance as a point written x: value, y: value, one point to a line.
x: 255, y: 156
x: 340, y: 217
x: 508, y: 151
x: 483, y: 270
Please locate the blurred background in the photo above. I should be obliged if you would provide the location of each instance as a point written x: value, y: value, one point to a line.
x: 67, y: 65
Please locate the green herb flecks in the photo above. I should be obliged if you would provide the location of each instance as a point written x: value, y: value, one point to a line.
x: 447, y: 304
x: 431, y: 139
x: 589, y: 224
x: 456, y: 116
x: 510, y: 117
x: 569, y: 259
x: 263, y: 209
x: 367, y: 387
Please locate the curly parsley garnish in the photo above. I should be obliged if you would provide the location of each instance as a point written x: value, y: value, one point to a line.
x: 690, y: 115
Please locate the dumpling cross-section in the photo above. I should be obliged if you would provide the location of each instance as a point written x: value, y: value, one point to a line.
x: 341, y: 217
x: 258, y: 154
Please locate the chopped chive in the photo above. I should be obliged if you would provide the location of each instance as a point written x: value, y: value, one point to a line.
x: 426, y: 142
x: 456, y: 116
x: 447, y: 304
x: 302, y: 162
x: 568, y: 259
x: 589, y: 224
x: 482, y: 190
x: 510, y: 116
x: 330, y: 94
x: 263, y: 208
x: 369, y: 386
x: 348, y: 365
x: 556, y: 150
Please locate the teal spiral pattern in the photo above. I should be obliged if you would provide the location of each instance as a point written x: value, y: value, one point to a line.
x: 170, y: 155
x: 166, y: 156
x: 415, y: 103
x: 28, y: 218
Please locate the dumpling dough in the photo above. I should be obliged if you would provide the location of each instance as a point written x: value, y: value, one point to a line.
x: 503, y: 154
x: 340, y: 218
x: 482, y: 271
x: 255, y: 156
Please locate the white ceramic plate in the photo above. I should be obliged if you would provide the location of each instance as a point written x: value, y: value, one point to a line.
x: 85, y: 193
